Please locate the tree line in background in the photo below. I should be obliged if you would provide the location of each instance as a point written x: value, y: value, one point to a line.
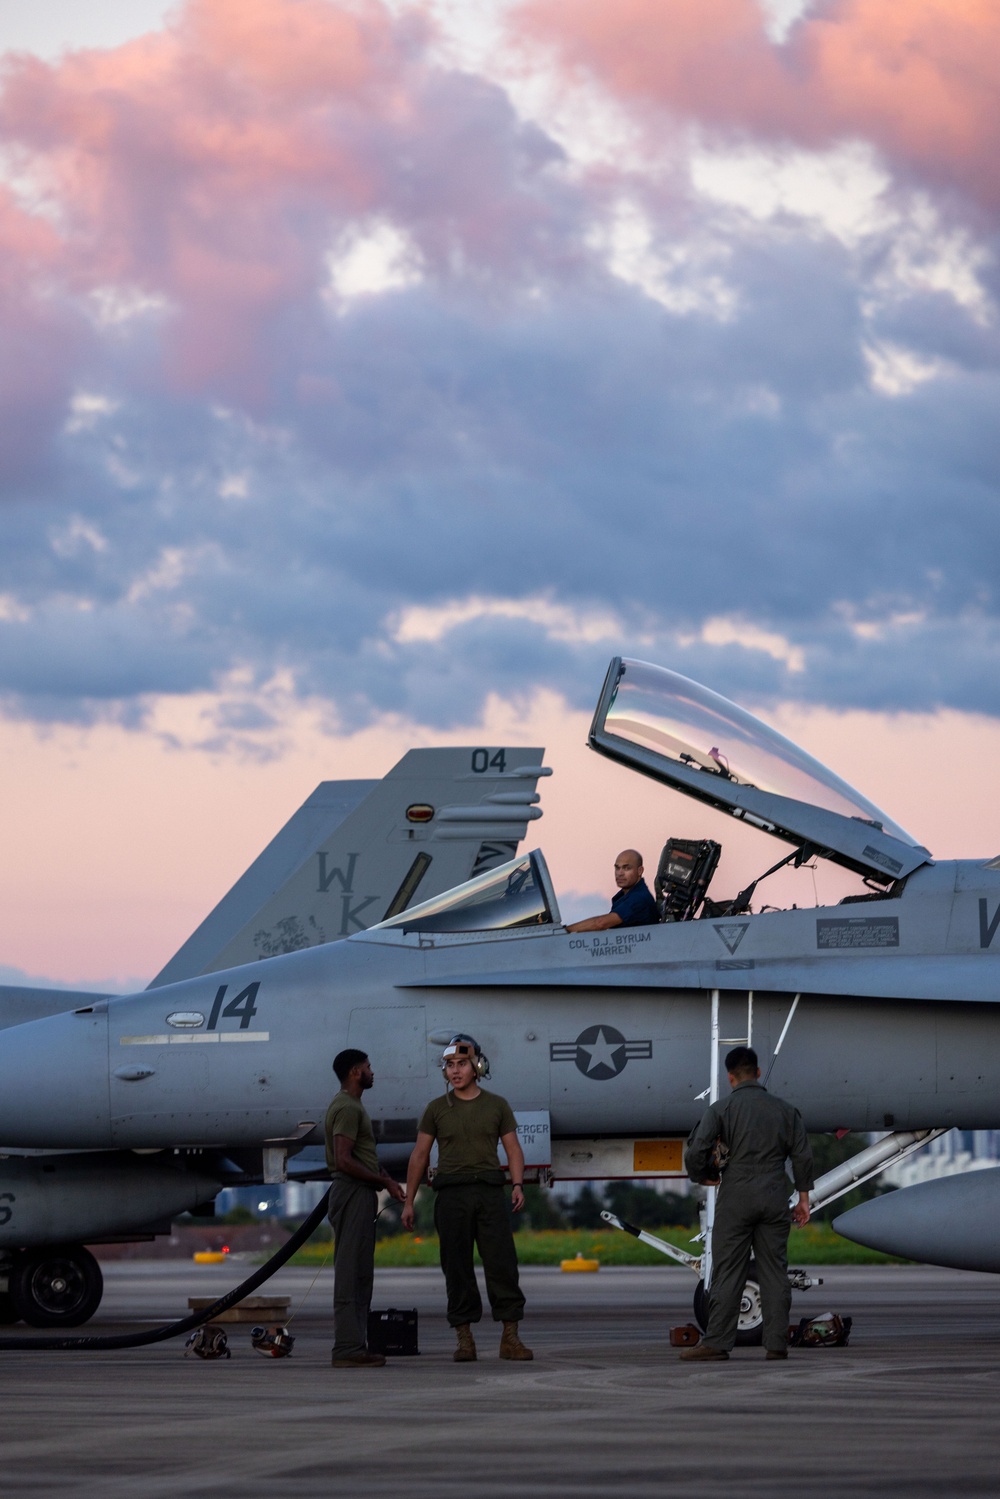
x: 635, y: 1202
x: 640, y: 1204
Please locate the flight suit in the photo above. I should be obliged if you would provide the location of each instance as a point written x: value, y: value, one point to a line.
x: 752, y: 1217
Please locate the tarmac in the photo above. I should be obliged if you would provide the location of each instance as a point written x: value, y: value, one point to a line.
x: 606, y: 1408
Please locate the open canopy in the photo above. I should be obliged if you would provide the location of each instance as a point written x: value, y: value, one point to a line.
x: 691, y: 738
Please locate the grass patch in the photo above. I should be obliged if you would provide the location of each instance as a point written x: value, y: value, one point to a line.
x: 816, y: 1244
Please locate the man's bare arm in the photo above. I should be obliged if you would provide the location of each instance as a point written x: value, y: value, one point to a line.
x: 415, y: 1172
x: 596, y: 923
x: 515, y: 1160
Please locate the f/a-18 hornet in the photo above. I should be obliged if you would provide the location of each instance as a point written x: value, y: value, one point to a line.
x: 878, y: 1013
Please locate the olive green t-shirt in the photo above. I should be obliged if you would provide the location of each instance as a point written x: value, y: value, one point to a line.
x: 348, y: 1116
x: 467, y: 1131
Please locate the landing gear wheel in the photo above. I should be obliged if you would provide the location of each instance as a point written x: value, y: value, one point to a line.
x: 58, y: 1286
x: 750, y: 1327
x: 7, y: 1313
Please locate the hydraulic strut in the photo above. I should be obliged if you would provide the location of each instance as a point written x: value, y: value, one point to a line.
x: 868, y: 1163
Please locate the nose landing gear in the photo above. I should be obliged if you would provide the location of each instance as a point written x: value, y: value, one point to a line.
x: 750, y: 1327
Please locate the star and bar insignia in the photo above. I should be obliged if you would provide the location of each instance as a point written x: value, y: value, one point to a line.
x: 600, y: 1052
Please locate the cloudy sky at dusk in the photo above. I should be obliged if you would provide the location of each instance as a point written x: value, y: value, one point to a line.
x: 372, y: 372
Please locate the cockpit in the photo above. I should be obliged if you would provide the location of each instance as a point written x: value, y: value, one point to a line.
x: 516, y: 894
x: 697, y: 742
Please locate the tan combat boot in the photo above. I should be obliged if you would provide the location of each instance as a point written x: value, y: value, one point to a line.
x: 511, y: 1345
x: 465, y: 1353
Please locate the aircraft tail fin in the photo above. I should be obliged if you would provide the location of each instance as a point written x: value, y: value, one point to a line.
x: 358, y: 851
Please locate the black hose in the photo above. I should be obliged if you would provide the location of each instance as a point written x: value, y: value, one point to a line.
x: 195, y: 1319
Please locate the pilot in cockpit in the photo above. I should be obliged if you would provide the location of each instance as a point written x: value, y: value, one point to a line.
x: 632, y: 906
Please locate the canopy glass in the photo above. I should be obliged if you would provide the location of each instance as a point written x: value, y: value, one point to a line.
x: 661, y: 711
x: 515, y: 894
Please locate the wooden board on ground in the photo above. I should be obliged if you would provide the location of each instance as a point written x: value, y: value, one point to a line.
x: 265, y: 1309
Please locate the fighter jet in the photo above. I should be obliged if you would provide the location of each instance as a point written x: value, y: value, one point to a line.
x: 355, y: 852
x: 877, y: 1013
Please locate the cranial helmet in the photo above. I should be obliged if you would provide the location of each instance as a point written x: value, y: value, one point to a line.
x: 208, y: 1341
x: 272, y: 1342
x: 466, y: 1048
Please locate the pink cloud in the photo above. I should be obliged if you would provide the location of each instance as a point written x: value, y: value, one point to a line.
x: 212, y: 166
x: 920, y: 79
x: 917, y: 79
x: 209, y: 164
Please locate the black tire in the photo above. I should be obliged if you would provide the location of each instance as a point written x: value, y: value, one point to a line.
x: 750, y: 1328
x: 56, y: 1286
x: 8, y: 1316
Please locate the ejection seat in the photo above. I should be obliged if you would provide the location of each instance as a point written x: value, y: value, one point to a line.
x: 683, y: 876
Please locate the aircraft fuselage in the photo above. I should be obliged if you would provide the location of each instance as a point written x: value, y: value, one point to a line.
x: 898, y: 1026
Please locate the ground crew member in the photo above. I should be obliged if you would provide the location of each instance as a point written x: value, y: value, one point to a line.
x: 357, y: 1180
x: 757, y: 1134
x: 470, y: 1205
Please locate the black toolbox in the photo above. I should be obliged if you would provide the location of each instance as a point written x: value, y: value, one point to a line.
x: 393, y: 1331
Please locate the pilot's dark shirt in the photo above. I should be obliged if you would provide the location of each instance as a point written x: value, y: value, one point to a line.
x: 636, y: 907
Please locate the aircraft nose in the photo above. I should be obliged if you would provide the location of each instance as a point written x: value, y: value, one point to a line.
x: 54, y: 1081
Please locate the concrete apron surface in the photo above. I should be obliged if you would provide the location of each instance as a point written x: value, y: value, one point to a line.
x: 908, y: 1409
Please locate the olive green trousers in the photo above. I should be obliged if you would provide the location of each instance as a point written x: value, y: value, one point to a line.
x: 477, y: 1217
